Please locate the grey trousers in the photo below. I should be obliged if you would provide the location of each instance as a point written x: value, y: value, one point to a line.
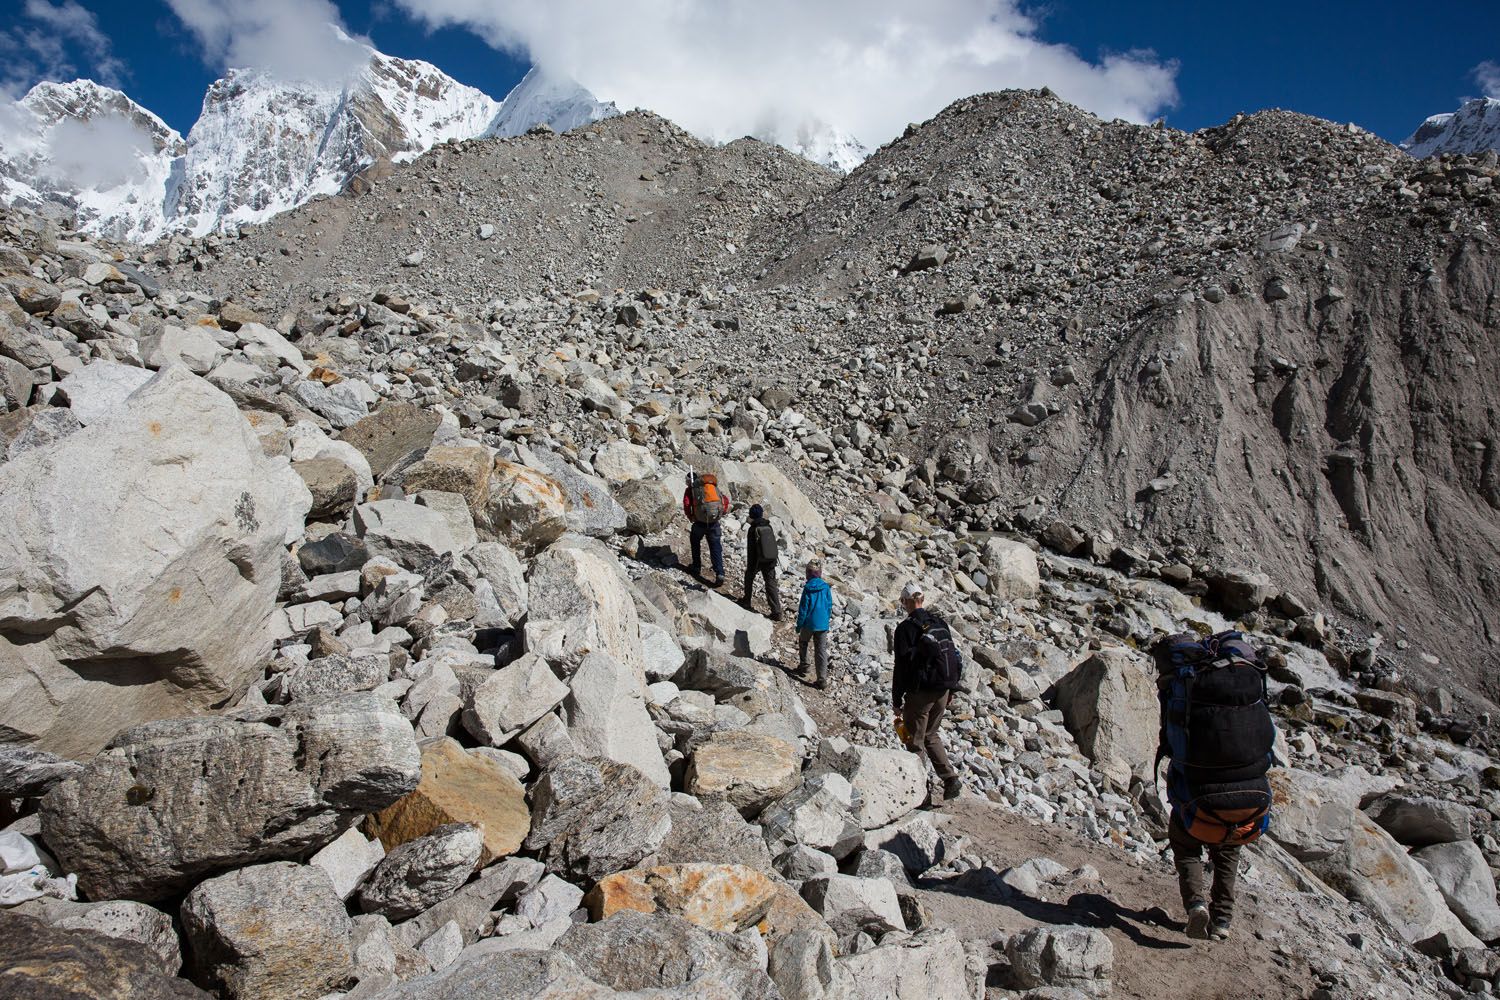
x: 820, y: 651
x: 923, y: 712
x: 1187, y: 855
x: 767, y: 573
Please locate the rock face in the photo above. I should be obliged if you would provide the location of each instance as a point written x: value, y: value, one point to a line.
x: 747, y: 770
x: 1109, y: 705
x: 169, y: 802
x: 1374, y: 869
x: 592, y: 817
x: 1468, y: 887
x: 155, y: 603
x: 144, y: 925
x: 41, y: 962
x: 269, y: 932
x: 1314, y: 814
x: 458, y: 787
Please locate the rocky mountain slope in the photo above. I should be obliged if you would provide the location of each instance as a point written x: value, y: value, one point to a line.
x: 377, y: 668
x: 260, y: 146
x: 1473, y: 129
x: 1267, y: 342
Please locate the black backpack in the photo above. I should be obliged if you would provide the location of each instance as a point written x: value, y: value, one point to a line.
x: 1218, y: 733
x: 763, y: 542
x: 939, y: 665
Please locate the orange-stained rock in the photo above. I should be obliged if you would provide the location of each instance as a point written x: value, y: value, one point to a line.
x: 526, y: 508
x: 458, y: 787
x: 716, y: 897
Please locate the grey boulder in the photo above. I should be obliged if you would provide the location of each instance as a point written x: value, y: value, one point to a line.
x: 422, y: 871
x: 41, y: 962
x: 153, y: 602
x: 269, y: 932
x: 593, y: 817
x: 1464, y: 878
x: 638, y: 951
x: 169, y: 802
x: 1078, y: 958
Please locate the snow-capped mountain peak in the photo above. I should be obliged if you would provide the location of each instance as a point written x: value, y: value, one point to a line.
x: 1473, y: 128
x: 261, y: 145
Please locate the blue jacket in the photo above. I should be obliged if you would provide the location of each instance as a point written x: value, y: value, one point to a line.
x: 817, y: 603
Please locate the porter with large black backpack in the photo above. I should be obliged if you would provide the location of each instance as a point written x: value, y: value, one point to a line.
x: 939, y: 664
x: 1217, y: 732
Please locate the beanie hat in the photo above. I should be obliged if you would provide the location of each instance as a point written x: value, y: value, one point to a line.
x: 756, y: 511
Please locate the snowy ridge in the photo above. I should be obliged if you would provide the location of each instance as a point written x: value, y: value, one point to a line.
x: 1473, y: 128
x: 261, y: 145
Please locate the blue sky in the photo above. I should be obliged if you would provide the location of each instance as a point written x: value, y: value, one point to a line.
x: 1383, y: 65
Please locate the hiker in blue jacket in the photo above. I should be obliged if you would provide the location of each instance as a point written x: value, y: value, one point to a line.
x: 812, y: 623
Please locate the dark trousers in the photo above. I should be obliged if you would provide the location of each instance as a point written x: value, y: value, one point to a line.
x: 767, y: 573
x: 923, y: 712
x: 1187, y: 855
x: 715, y: 538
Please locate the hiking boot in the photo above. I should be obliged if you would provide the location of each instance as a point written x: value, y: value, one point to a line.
x: 1218, y: 929
x: 821, y: 683
x: 951, y: 788
x: 1197, y: 921
x: 718, y: 582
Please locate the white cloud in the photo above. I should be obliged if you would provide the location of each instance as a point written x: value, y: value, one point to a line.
x: 48, y: 41
x: 95, y: 155
x: 1487, y: 75
x: 726, y: 68
x: 294, y: 40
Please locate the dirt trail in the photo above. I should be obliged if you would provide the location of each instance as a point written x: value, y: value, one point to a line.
x: 1137, y: 906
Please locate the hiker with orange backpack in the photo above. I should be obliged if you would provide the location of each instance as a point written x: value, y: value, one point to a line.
x: 1217, y: 733
x: 705, y: 505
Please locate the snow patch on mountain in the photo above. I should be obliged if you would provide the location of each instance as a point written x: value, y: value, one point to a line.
x: 1473, y: 128
x: 557, y: 102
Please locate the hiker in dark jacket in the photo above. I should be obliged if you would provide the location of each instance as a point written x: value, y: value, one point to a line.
x: 921, y: 708
x: 1211, y: 692
x: 813, y: 614
x: 760, y: 557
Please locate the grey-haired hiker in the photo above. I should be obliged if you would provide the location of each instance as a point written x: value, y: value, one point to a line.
x: 922, y: 682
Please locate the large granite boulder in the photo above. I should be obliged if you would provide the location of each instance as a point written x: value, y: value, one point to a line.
x: 269, y: 932
x: 42, y: 962
x: 391, y: 434
x: 149, y: 599
x: 606, y: 715
x: 1011, y: 569
x: 169, y: 802
x: 930, y: 964
x: 890, y: 783
x: 636, y: 951
x: 747, y: 770
x: 580, y: 602
x: 593, y: 817
x: 527, y: 509
x: 458, y: 787
x: 1464, y: 878
x: 1313, y: 813
x: 422, y: 872
x: 1109, y: 705
x: 512, y: 698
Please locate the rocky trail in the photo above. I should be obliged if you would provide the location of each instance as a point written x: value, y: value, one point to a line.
x: 346, y: 648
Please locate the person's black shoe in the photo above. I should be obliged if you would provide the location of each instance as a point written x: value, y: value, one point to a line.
x: 777, y: 618
x: 695, y: 570
x: 952, y: 787
x: 821, y: 683
x: 718, y: 582
x: 1197, y: 922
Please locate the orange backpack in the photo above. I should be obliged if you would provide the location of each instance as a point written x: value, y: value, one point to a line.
x: 708, y: 503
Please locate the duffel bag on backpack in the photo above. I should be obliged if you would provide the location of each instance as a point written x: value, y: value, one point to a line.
x: 1217, y: 730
